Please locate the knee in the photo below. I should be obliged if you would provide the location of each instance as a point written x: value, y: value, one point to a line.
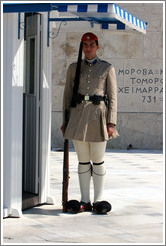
x: 99, y: 169
x: 84, y: 167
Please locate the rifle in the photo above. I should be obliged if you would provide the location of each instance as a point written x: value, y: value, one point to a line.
x: 65, y: 176
x: 65, y: 182
x: 66, y: 142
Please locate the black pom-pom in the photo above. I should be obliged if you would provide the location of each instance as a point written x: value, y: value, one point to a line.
x: 102, y: 207
x: 73, y: 206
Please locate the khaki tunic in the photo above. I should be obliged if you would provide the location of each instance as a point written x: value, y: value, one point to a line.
x: 88, y: 122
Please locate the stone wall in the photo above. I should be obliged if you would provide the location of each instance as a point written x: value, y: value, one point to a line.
x: 138, y: 60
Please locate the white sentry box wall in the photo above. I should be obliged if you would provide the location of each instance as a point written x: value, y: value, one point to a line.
x: 13, y: 78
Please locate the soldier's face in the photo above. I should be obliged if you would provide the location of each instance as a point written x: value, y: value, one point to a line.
x: 89, y: 48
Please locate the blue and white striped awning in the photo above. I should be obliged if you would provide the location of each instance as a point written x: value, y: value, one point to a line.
x: 98, y: 13
x: 105, y: 14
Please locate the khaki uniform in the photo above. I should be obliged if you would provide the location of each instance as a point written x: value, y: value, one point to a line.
x: 88, y: 122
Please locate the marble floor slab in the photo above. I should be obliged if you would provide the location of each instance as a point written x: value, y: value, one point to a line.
x: 134, y: 185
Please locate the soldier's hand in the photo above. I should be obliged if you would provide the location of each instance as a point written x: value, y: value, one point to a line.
x: 110, y: 129
x: 63, y: 128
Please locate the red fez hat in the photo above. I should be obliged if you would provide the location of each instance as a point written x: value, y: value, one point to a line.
x: 89, y: 36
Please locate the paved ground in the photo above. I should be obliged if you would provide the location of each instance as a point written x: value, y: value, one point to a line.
x: 134, y: 186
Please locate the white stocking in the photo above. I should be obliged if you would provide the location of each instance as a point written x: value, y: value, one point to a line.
x: 98, y: 180
x: 84, y: 172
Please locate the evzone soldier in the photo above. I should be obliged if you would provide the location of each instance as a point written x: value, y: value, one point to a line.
x: 90, y: 100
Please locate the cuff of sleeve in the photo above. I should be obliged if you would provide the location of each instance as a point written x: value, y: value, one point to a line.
x: 112, y: 117
x: 111, y: 124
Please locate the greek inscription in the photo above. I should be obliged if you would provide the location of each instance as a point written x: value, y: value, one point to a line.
x: 147, y: 90
x: 146, y: 82
x: 123, y: 90
x: 148, y: 99
x: 143, y: 72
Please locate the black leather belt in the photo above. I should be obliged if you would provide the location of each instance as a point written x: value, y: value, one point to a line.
x: 95, y: 99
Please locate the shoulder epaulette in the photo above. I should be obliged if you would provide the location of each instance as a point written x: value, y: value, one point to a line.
x: 105, y: 62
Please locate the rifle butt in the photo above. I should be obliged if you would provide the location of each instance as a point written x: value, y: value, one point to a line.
x: 65, y: 176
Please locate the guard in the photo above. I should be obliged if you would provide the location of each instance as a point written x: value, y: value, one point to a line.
x: 90, y: 100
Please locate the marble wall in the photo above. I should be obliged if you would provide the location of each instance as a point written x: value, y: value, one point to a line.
x: 138, y: 60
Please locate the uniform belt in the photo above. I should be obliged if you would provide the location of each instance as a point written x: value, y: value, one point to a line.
x: 95, y: 99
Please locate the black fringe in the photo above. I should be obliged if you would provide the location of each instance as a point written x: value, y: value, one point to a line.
x: 77, y: 77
